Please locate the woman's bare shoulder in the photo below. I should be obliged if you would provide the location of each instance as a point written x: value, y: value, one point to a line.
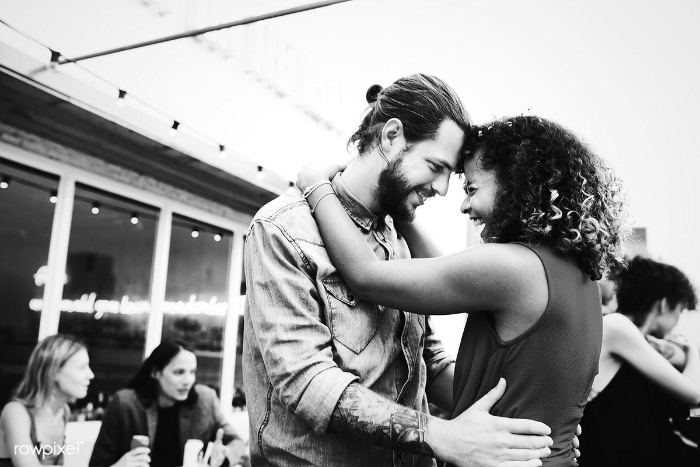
x: 14, y: 413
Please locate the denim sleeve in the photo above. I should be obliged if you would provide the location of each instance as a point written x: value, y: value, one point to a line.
x: 286, y: 315
x: 436, y: 359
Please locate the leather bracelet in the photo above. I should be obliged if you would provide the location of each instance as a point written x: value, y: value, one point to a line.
x: 310, y: 189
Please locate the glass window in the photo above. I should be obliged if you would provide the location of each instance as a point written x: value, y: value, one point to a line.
x: 26, y: 217
x: 196, y: 293
x: 106, y: 296
x: 239, y: 391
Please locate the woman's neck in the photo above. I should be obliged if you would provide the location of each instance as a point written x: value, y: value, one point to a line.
x: 164, y: 401
x: 56, y: 403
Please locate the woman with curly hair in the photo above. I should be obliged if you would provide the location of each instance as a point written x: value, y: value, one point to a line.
x: 637, y: 390
x: 552, y: 217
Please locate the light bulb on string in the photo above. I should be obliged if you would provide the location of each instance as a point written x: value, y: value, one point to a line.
x: 173, y: 129
x: 195, y: 232
x: 5, y: 183
x: 134, y: 218
x: 217, y: 237
x: 54, y: 59
x: 223, y: 152
x: 95, y: 208
x: 53, y: 199
x: 260, y: 175
x: 120, y: 100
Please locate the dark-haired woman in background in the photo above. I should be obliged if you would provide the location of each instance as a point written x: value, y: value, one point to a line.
x: 552, y: 226
x: 626, y: 421
x: 33, y: 424
x: 163, y: 402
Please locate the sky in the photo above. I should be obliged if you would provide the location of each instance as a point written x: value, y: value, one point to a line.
x: 622, y: 75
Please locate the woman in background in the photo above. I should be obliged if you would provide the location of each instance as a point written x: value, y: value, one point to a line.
x: 637, y: 390
x: 163, y: 402
x: 33, y: 424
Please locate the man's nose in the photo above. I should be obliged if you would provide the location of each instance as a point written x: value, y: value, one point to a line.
x: 466, y: 206
x: 441, y: 184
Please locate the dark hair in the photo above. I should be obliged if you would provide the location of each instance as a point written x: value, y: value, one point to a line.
x: 422, y: 102
x: 551, y: 189
x: 143, y: 382
x: 645, y: 281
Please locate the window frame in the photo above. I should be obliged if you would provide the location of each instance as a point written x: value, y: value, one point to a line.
x: 60, y: 236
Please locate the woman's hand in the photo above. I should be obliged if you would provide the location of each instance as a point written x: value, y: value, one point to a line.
x: 137, y: 457
x: 317, y: 171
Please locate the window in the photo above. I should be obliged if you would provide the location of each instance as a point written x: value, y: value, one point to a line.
x: 196, y: 294
x: 106, y: 296
x: 26, y: 218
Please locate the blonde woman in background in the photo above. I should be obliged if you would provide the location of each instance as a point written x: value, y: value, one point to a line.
x: 33, y: 424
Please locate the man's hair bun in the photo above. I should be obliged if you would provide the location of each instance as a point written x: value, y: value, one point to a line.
x: 372, y: 93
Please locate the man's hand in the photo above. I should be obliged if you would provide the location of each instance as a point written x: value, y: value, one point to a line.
x: 478, y: 439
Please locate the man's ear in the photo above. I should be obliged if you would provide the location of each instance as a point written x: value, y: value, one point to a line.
x: 392, y: 138
x: 659, y: 307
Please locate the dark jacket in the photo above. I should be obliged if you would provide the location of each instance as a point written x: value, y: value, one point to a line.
x: 131, y: 414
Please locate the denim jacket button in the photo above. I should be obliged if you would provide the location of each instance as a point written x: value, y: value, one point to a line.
x: 351, y: 297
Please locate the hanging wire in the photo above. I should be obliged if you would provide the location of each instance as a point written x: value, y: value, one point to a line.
x: 55, y: 59
x: 197, y: 32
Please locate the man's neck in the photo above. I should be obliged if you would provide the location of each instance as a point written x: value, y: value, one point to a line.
x: 361, y: 177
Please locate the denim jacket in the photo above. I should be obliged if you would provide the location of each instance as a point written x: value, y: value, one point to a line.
x: 307, y: 337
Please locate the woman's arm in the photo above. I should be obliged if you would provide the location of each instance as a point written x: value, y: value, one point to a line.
x: 490, y: 277
x: 418, y: 240
x: 16, y: 425
x: 668, y: 349
x: 626, y: 342
x: 107, y: 450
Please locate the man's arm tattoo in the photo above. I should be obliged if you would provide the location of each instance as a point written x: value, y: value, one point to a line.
x: 369, y: 416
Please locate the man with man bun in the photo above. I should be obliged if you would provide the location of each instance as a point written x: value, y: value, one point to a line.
x: 335, y: 381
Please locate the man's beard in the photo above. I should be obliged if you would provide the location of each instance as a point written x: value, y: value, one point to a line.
x: 392, y: 192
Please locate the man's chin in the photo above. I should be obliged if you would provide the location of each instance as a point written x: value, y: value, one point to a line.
x: 405, y: 214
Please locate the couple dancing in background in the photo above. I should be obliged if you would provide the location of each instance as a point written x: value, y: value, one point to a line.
x: 339, y: 357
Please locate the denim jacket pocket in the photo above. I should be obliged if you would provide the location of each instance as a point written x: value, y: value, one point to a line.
x: 353, y: 323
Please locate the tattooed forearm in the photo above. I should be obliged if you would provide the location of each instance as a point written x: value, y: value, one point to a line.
x: 365, y: 414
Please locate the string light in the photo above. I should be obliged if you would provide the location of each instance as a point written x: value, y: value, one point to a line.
x: 58, y: 59
x: 223, y: 153
x: 195, y: 232
x: 173, y: 129
x: 134, y: 218
x: 54, y: 197
x: 120, y: 100
x: 54, y: 59
x: 260, y: 175
x: 95, y: 208
x: 217, y: 237
x: 5, y: 183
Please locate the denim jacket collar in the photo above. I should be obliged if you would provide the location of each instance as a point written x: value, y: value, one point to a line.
x: 357, y: 211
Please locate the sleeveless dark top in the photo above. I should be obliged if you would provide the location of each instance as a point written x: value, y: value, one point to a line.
x: 628, y: 424
x: 549, y: 369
